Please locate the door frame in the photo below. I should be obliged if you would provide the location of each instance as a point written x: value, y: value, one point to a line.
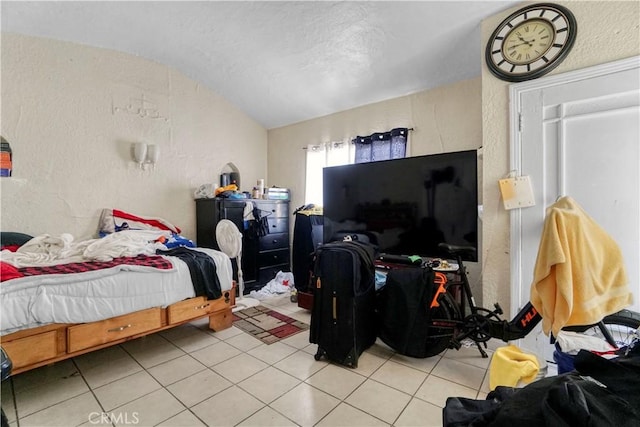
x: 516, y: 91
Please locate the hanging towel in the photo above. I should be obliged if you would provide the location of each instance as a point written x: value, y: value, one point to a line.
x: 579, y: 275
x: 509, y: 365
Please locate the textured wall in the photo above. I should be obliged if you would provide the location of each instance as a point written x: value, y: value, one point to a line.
x: 71, y: 113
x: 607, y: 31
x: 445, y: 119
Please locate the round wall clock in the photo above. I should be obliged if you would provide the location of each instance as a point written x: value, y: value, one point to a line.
x: 531, y: 42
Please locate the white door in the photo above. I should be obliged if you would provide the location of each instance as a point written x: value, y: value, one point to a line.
x: 577, y: 135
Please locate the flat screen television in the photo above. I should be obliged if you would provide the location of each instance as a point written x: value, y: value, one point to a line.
x: 405, y: 206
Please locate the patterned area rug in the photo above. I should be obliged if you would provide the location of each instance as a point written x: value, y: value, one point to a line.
x: 267, y: 325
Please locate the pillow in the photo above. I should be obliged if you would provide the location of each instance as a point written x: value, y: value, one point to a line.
x: 9, y: 238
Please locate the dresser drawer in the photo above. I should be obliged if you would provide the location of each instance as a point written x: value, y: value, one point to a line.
x: 34, y: 349
x: 194, y: 307
x: 274, y: 241
x: 274, y: 209
x: 278, y: 225
x: 88, y: 335
x: 269, y: 258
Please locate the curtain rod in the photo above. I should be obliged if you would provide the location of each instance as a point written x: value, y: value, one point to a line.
x: 408, y: 130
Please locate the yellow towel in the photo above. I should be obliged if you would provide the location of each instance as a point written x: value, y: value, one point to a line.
x: 579, y: 276
x: 510, y: 365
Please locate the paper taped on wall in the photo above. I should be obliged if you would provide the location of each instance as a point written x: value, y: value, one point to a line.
x: 516, y: 192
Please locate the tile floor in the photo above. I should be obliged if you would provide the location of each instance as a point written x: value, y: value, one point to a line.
x: 191, y: 376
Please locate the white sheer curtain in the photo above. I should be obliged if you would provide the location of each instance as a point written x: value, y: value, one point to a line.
x: 319, y: 157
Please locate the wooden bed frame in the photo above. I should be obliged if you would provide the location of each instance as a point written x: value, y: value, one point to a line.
x: 44, y: 345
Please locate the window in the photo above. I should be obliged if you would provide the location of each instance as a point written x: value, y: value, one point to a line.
x: 375, y: 147
x: 318, y: 157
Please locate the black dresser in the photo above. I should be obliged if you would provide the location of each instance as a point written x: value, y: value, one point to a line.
x: 263, y: 255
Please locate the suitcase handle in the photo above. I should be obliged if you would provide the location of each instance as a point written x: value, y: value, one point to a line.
x: 335, y: 311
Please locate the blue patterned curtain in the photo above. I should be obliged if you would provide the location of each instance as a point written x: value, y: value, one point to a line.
x: 381, y: 146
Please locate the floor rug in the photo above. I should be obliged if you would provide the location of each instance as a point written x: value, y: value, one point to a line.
x: 267, y: 325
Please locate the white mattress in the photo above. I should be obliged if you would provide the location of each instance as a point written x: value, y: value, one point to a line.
x: 97, y: 295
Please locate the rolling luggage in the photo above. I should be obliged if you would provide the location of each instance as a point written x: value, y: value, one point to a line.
x: 343, y: 318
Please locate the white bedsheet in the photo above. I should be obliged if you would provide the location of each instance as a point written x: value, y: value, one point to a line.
x: 97, y: 295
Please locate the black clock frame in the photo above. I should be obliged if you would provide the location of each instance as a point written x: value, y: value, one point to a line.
x: 571, y: 38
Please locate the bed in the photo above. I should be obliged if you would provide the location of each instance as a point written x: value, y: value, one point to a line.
x: 64, y: 307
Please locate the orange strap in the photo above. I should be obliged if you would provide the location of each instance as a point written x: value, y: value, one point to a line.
x: 440, y: 279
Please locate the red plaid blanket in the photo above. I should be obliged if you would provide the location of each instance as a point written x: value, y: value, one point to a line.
x: 153, y: 261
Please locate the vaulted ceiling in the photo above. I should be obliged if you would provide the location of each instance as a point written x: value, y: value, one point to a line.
x: 280, y: 62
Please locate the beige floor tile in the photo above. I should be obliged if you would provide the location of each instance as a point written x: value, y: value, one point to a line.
x: 7, y: 400
x: 107, y: 367
x: 142, y: 343
x: 348, y: 416
x: 435, y: 390
x: 125, y: 390
x: 299, y: 340
x: 216, y: 353
x: 105, y: 356
x: 419, y: 413
x: 379, y: 400
x: 228, y: 408
x: 243, y: 342
x: 485, y: 387
x: 338, y: 382
x: 183, y: 419
x: 239, y: 368
x: 301, y: 315
x: 196, y: 388
x: 461, y: 373
x: 305, y: 405
x: 470, y: 355
x: 399, y: 376
x: 39, y: 376
x: 267, y: 417
x: 311, y: 349
x: 210, y: 381
x: 195, y: 342
x: 202, y: 324
x: 226, y: 333
x: 174, y: 370
x: 425, y: 364
x: 34, y: 399
x: 182, y: 331
x: 368, y: 363
x: 380, y: 349
x: 269, y: 384
x: 272, y: 353
x: 71, y: 412
x: 301, y: 365
x: 152, y: 350
x: 148, y: 410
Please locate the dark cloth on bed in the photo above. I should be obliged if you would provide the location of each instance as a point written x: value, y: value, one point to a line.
x: 202, y: 269
x: 81, y: 267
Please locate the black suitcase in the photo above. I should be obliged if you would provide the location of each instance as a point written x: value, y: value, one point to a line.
x: 307, y: 236
x: 343, y: 318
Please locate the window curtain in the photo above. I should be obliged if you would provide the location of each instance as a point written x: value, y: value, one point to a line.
x: 318, y: 157
x: 381, y: 146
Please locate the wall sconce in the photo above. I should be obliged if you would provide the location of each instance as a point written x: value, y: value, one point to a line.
x: 145, y: 154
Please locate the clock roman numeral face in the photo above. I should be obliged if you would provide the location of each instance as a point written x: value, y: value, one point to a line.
x: 530, y: 42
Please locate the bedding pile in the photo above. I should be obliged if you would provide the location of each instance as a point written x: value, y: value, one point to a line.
x: 56, y: 279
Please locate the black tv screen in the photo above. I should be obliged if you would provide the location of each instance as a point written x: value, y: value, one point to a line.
x: 405, y: 206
